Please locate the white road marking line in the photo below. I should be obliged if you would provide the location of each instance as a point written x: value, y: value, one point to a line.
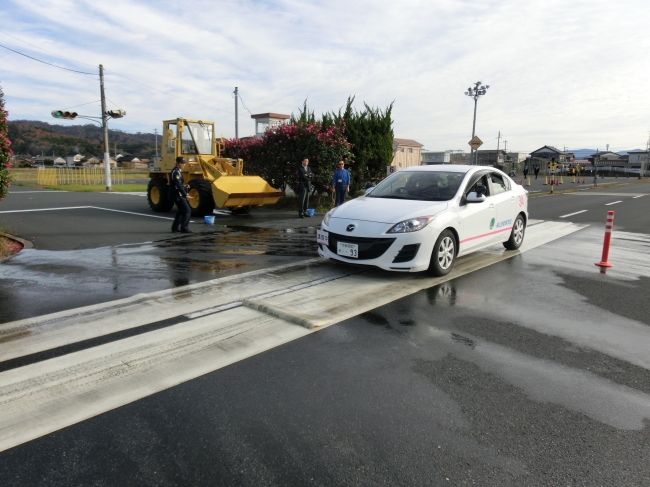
x: 93, y: 208
x: 131, y: 193
x: 44, y: 191
x: 613, y: 203
x: 44, y: 397
x: 635, y: 197
x: 595, y: 193
x: 576, y: 213
x: 47, y: 209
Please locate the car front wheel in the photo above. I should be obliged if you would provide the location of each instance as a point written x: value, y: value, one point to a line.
x: 443, y: 255
x: 517, y: 234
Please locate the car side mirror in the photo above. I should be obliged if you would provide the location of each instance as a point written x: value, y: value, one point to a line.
x: 474, y: 197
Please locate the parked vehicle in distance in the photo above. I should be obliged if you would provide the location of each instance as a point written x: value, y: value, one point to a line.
x: 424, y: 217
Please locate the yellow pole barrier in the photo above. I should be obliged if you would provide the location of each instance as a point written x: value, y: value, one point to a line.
x: 528, y: 181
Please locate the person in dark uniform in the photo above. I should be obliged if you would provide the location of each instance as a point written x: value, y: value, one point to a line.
x: 341, y: 183
x: 536, y: 170
x: 178, y: 194
x: 304, y: 187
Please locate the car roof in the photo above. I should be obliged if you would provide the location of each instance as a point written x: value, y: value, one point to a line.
x: 446, y: 168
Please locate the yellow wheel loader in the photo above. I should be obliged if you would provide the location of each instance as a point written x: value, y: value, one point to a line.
x: 214, y: 181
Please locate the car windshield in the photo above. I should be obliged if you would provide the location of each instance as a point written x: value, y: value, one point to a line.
x: 426, y: 186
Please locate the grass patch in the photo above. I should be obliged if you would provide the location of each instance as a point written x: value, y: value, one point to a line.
x: 85, y: 188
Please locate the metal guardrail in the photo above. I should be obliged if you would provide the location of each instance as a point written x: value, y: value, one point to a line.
x: 59, y: 176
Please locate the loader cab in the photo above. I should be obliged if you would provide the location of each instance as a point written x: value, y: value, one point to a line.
x: 188, y: 138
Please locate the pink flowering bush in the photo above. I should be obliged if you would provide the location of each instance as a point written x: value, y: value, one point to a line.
x: 277, y: 155
x: 5, y: 151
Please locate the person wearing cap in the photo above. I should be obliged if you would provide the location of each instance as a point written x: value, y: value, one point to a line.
x: 178, y: 194
x: 341, y: 183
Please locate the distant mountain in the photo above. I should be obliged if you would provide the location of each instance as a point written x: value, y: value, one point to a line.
x: 30, y: 137
x: 582, y: 153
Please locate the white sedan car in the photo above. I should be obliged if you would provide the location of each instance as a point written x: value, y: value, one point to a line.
x: 423, y: 217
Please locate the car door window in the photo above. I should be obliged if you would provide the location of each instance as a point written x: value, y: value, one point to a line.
x: 499, y: 183
x: 483, y: 181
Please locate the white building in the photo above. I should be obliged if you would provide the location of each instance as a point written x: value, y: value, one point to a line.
x: 433, y: 157
x: 266, y: 120
x: 637, y: 158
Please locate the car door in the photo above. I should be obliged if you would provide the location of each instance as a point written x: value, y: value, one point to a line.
x: 503, y: 195
x: 477, y: 219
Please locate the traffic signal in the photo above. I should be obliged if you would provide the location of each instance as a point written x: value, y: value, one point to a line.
x: 116, y: 113
x: 64, y: 114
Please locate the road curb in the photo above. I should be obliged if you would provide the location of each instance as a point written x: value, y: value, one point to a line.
x: 25, y: 243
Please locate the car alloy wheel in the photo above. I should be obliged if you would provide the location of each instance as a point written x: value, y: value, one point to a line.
x: 517, y: 234
x: 444, y: 254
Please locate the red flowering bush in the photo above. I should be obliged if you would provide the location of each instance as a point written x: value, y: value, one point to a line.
x: 5, y: 151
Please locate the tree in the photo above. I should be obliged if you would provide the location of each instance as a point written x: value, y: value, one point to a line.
x: 371, y: 134
x: 5, y: 151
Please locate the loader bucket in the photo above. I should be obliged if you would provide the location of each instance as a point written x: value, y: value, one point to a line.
x: 234, y: 191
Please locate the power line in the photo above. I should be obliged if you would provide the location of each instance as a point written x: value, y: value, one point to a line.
x: 45, y: 62
x: 113, y: 102
x: 90, y: 102
x: 242, y: 104
x: 167, y: 93
x: 105, y: 70
x: 45, y: 50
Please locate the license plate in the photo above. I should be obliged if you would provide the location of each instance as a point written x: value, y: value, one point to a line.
x: 347, y: 250
x: 322, y: 237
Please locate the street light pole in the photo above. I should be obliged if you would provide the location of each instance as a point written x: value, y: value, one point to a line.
x: 107, y: 163
x: 477, y: 92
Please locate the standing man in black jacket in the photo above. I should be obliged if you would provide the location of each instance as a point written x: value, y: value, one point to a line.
x: 304, y: 187
x: 178, y: 194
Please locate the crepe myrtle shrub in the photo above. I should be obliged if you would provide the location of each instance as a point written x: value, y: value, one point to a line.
x: 277, y: 155
x: 5, y: 151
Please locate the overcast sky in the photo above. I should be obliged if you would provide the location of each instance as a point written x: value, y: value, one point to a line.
x: 564, y: 73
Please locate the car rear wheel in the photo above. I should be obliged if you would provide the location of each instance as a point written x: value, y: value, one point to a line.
x: 517, y: 234
x: 443, y: 255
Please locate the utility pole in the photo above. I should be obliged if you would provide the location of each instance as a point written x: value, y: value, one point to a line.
x: 236, y: 116
x: 647, y: 158
x: 496, y: 160
x: 155, y: 135
x: 107, y: 161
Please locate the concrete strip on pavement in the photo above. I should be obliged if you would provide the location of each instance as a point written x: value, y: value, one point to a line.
x: 594, y: 193
x: 376, y: 288
x: 44, y: 397
x: 33, y: 335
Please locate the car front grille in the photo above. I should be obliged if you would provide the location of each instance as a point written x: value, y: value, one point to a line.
x: 369, y: 248
x: 407, y: 253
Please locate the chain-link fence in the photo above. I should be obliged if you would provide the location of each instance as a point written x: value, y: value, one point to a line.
x: 59, y: 176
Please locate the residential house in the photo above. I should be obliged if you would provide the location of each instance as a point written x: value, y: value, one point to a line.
x: 72, y: 158
x: 408, y: 153
x: 608, y: 159
x: 549, y: 153
x: 638, y: 158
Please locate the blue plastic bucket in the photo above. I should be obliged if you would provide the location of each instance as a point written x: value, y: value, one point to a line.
x: 209, y: 219
x: 310, y: 211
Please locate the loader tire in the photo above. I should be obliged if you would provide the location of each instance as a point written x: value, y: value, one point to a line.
x: 202, y: 202
x: 157, y: 195
x: 242, y: 210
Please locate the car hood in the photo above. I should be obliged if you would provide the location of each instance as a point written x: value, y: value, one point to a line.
x: 386, y: 210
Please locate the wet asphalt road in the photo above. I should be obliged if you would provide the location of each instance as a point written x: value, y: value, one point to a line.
x: 491, y: 379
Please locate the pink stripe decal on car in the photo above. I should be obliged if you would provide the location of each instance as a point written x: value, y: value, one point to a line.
x: 486, y: 234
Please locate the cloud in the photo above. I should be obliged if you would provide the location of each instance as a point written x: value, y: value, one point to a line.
x: 560, y: 73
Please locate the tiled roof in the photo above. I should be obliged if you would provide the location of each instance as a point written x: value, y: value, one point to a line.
x: 408, y: 142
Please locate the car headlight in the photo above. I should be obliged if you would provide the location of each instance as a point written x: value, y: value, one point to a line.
x: 411, y: 225
x: 328, y: 215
